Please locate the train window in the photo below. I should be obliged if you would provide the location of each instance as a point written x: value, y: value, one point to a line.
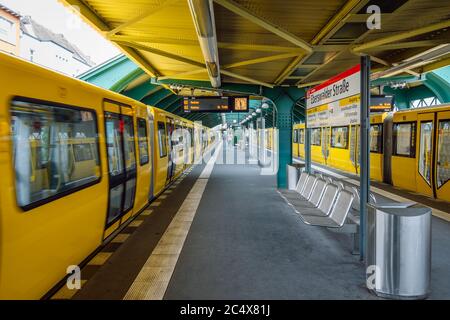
x: 191, y: 136
x: 143, y: 142
x: 301, y: 137
x: 55, y: 150
x: 162, y: 139
x: 443, y: 153
x: 295, y: 135
x: 426, y: 129
x: 315, y: 136
x: 376, y: 138
x: 114, y: 143
x: 405, y: 139
x: 339, y: 137
x: 128, y: 139
x: 83, y: 151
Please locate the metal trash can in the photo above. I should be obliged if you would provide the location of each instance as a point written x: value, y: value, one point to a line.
x: 293, y: 174
x: 398, y: 250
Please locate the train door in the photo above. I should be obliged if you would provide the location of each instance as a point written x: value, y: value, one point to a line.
x: 326, y: 143
x: 354, y: 146
x: 442, y: 173
x: 170, y: 166
x: 424, y: 158
x: 151, y: 133
x: 121, y: 155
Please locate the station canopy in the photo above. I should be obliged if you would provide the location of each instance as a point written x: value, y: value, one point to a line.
x: 247, y: 46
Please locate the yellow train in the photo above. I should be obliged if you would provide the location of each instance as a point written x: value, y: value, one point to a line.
x: 77, y: 163
x: 409, y: 149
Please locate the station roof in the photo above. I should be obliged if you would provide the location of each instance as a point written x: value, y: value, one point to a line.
x: 270, y: 44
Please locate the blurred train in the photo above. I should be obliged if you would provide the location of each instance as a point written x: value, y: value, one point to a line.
x: 409, y: 149
x: 77, y: 162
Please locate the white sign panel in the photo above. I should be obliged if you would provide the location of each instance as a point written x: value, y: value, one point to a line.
x: 335, y: 102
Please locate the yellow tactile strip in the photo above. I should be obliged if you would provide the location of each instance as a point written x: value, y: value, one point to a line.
x: 64, y: 293
x: 152, y: 281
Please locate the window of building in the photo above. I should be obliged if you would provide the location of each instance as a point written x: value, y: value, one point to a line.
x: 376, y: 138
x: 405, y: 139
x: 143, y: 142
x: 339, y: 137
x: 7, y: 30
x: 315, y: 136
x: 55, y: 151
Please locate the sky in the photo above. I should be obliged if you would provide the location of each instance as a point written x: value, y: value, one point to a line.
x: 59, y: 19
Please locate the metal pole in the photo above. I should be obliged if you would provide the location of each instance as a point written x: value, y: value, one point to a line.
x: 365, y: 151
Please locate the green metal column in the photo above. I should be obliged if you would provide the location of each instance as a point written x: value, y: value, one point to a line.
x: 284, y: 106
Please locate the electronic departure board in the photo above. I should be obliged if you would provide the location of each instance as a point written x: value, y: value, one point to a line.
x: 216, y: 104
x: 380, y: 103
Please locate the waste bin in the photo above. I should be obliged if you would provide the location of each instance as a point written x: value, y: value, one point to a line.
x: 293, y: 174
x: 398, y: 250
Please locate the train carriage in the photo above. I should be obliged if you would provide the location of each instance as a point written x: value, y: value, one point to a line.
x: 409, y: 149
x: 78, y: 163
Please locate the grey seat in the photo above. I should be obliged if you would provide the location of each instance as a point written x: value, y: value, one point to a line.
x: 338, y: 214
x: 315, y: 198
x: 326, y: 203
x: 299, y: 187
x: 305, y: 192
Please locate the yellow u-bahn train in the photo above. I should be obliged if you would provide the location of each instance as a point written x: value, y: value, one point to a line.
x: 409, y: 149
x: 77, y: 163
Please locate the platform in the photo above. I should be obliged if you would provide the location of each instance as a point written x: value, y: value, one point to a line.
x: 223, y: 232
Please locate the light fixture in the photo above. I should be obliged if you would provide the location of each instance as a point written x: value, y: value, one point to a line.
x: 202, y: 12
x: 254, y: 114
x: 265, y: 106
x: 258, y: 110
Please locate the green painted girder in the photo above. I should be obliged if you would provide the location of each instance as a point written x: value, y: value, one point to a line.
x: 120, y: 85
x: 439, y: 86
x: 153, y: 98
x: 167, y: 94
x: 142, y: 90
x: 108, y: 74
x: 171, y: 103
x: 394, y: 79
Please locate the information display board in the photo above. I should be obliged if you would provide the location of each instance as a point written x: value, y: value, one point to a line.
x: 336, y: 102
x: 381, y: 103
x: 216, y: 104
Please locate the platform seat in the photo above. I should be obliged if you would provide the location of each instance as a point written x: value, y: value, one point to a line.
x: 315, y: 198
x: 305, y: 192
x: 338, y: 214
x: 299, y: 187
x: 325, y: 205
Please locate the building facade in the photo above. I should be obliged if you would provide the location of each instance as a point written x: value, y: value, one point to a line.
x: 9, y: 31
x: 22, y: 36
x: 44, y: 47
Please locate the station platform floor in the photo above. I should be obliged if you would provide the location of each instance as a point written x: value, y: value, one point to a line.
x: 222, y: 231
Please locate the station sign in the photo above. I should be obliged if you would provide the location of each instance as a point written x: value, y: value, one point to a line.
x: 336, y: 102
x: 216, y: 104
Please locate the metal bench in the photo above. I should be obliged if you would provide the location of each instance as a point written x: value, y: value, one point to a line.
x: 315, y: 197
x: 302, y: 191
x: 337, y: 216
x: 299, y: 187
x: 325, y: 205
